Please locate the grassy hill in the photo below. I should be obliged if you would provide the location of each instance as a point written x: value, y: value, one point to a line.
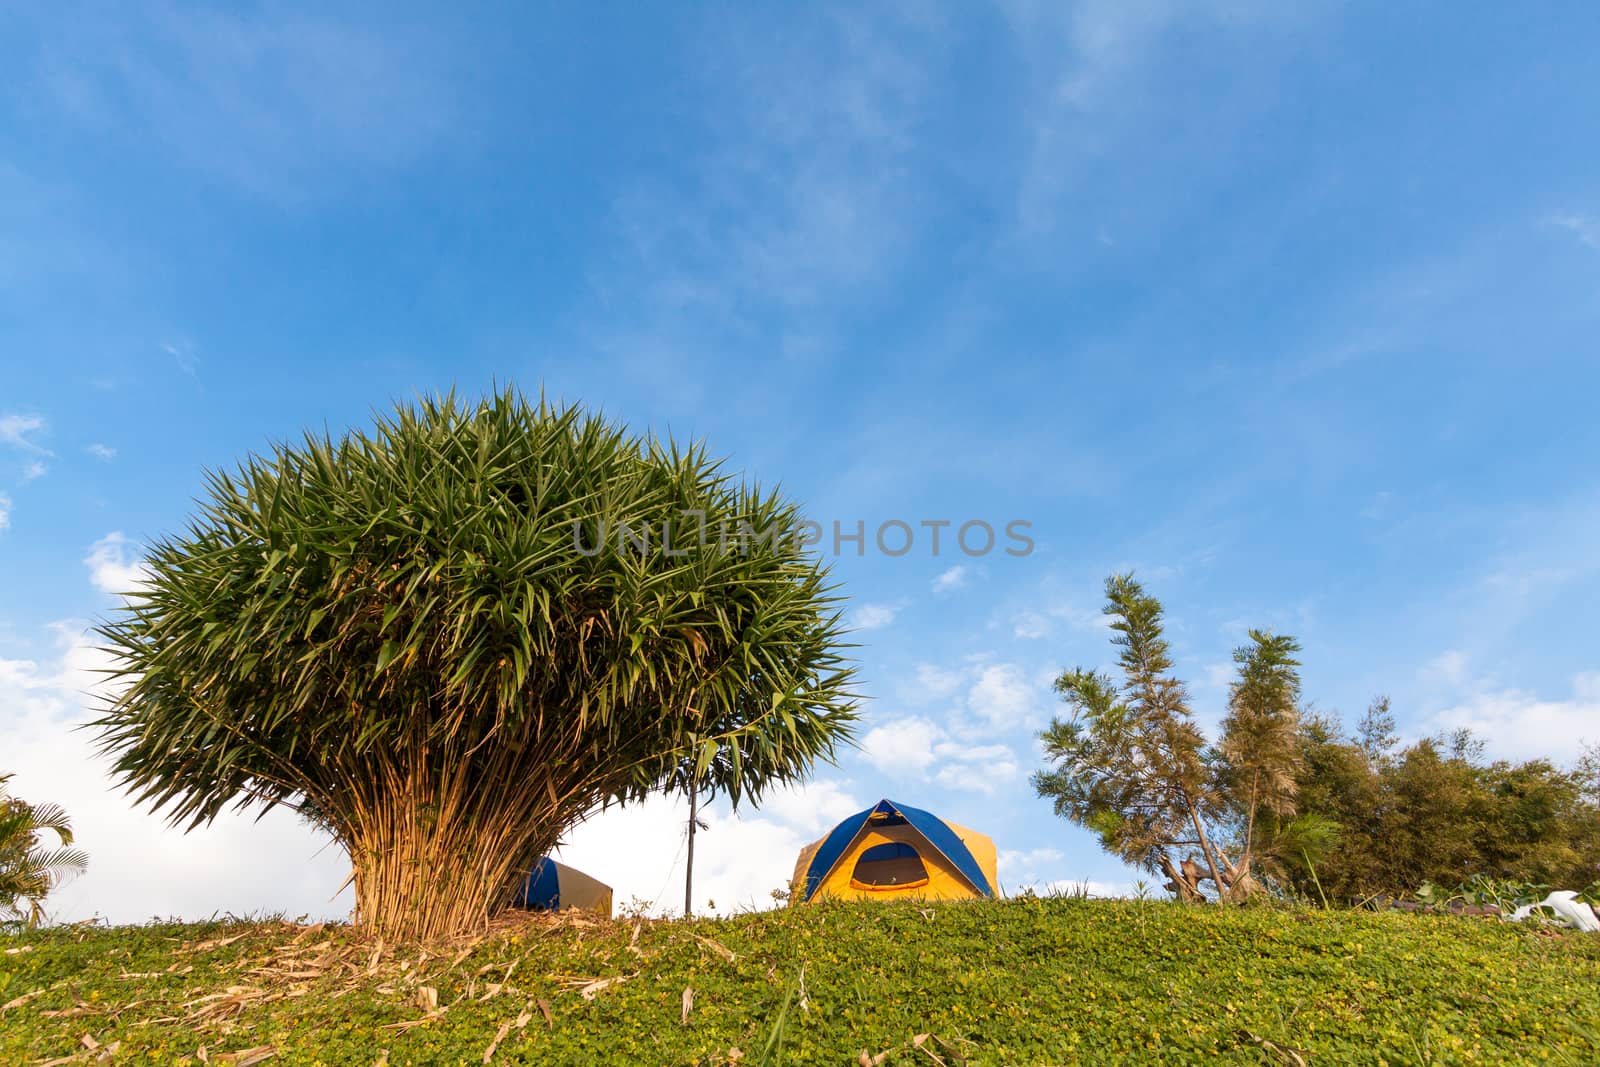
x: 1022, y: 982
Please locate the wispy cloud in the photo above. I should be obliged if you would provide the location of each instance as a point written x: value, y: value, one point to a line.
x: 953, y: 578
x: 804, y: 198
x: 266, y: 100
x: 17, y: 431
x: 34, y: 469
x: 101, y: 452
x: 5, y: 512
x: 1585, y: 228
x: 872, y: 616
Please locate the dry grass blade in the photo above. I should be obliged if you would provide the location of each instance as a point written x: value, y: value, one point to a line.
x: 495, y: 987
x: 15, y: 951
x: 229, y: 1002
x: 590, y: 991
x: 716, y: 946
x: 245, y: 1057
x: 1283, y: 1053
x: 308, y: 931
x: 920, y: 1042
x: 688, y: 1005
x: 18, y: 1002
x: 207, y: 946
x: 499, y: 1036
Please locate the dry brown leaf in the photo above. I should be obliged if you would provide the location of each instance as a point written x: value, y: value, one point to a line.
x: 720, y: 949
x: 214, y: 943
x: 202, y: 1055
x: 20, y: 1001
x: 428, y: 998
x: 544, y: 1006
x: 590, y: 991
x: 688, y: 1005
x: 499, y: 1036
x: 308, y: 931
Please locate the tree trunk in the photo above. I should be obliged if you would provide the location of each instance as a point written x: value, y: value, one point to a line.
x: 1182, y: 884
x: 429, y: 871
x: 1210, y: 855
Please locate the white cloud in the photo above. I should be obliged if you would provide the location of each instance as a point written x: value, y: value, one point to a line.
x: 5, y: 512
x: 1521, y: 725
x: 917, y: 748
x: 811, y: 807
x: 951, y: 579
x: 1003, y: 696
x: 1014, y: 864
x: 114, y: 565
x: 934, y: 682
x: 140, y: 867
x: 1030, y: 625
x: 872, y: 616
x: 34, y: 469
x: 979, y: 777
x: 101, y: 452
x: 15, y: 431
x: 902, y: 745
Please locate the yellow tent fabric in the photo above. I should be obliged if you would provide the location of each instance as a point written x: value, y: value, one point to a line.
x: 890, y: 859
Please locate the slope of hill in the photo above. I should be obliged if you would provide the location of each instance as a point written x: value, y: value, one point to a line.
x: 1021, y: 982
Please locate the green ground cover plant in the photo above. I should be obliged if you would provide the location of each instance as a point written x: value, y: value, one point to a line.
x: 1029, y: 981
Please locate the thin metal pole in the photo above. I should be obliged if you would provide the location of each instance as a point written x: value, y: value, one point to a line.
x: 688, y: 877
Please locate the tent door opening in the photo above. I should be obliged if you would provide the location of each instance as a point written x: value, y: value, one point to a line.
x: 894, y: 865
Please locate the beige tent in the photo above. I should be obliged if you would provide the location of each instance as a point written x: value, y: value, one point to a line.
x: 553, y: 886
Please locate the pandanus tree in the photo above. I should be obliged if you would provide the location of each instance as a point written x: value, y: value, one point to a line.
x: 452, y: 637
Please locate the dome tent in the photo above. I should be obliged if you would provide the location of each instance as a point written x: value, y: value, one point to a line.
x: 553, y: 886
x: 893, y: 851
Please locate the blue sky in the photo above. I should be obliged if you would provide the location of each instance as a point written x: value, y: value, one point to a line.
x: 1294, y: 312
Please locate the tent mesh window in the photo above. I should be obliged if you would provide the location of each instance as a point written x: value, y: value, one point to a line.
x: 895, y: 865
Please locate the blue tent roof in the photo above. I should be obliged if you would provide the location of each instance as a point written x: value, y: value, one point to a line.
x: 932, y: 828
x: 542, y: 887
